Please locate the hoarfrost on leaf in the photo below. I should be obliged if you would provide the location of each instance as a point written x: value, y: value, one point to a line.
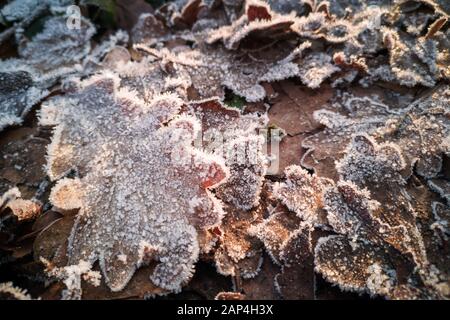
x: 9, y: 291
x: 357, y: 268
x: 20, y: 89
x: 72, y: 277
x: 421, y: 131
x: 350, y: 115
x: 57, y: 46
x: 315, y: 68
x: 258, y: 27
x: 302, y: 194
x: 115, y: 142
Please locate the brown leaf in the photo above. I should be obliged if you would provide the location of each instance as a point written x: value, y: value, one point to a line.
x: 129, y: 11
x: 294, y: 107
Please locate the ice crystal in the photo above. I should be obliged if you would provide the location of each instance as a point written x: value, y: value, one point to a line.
x: 115, y: 141
x: 275, y: 231
x: 356, y: 268
x: 57, y: 46
x: 9, y: 291
x: 351, y: 115
x: 257, y: 27
x: 71, y: 276
x: 315, y: 68
x: 302, y: 193
x: 421, y: 131
x: 20, y: 89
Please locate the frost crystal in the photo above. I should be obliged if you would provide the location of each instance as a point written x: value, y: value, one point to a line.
x: 20, y: 89
x: 9, y: 291
x: 259, y: 26
x: 356, y: 268
x: 72, y: 276
x: 57, y: 46
x: 352, y: 115
x: 367, y: 162
x: 302, y: 193
x: 116, y: 142
x: 315, y: 69
x: 421, y: 132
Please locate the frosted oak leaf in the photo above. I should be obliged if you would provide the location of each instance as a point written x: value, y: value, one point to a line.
x: 56, y: 46
x: 361, y: 268
x: 258, y: 27
x: 20, y: 89
x: 352, y: 211
x: 234, y: 136
x: 238, y: 72
x: 302, y: 194
x: 422, y: 132
x: 351, y: 115
x: 367, y: 163
x: 275, y: 231
x: 239, y: 254
x: 413, y: 61
x: 228, y: 133
x: 296, y: 279
x: 142, y: 189
x: 378, y: 167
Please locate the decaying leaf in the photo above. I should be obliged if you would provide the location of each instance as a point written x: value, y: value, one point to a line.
x: 155, y: 166
x: 421, y: 131
x: 259, y: 26
x: 302, y: 194
x: 360, y: 267
x: 352, y: 115
x: 147, y: 147
x: 296, y: 279
x: 9, y: 292
x: 315, y: 69
x: 20, y: 89
x: 57, y: 46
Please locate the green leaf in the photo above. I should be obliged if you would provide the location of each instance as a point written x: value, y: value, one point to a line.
x: 106, y: 5
x: 235, y: 101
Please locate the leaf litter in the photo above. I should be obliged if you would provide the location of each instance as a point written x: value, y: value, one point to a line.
x: 141, y: 132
